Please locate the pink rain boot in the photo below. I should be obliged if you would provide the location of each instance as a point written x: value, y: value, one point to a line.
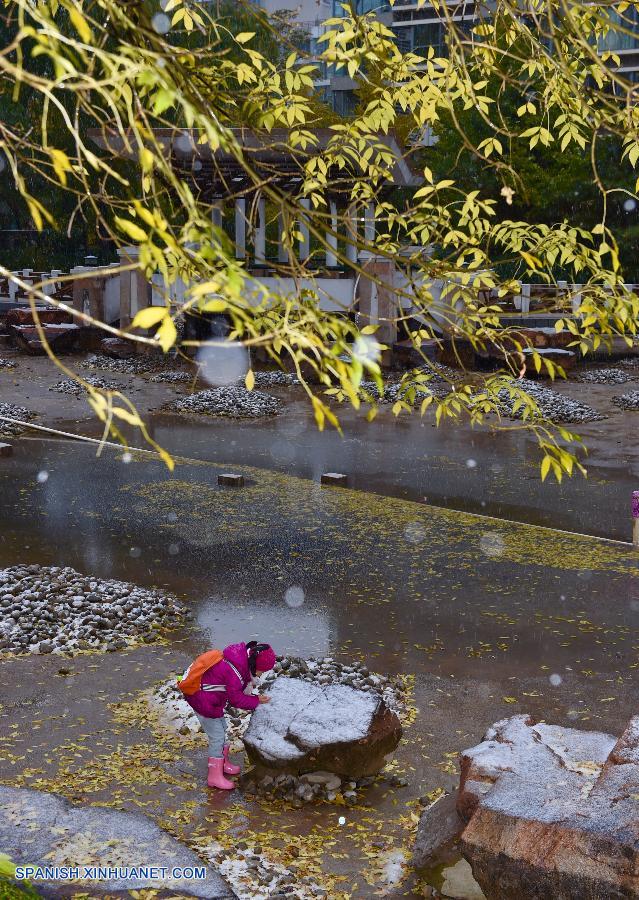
x: 216, y: 775
x: 229, y: 767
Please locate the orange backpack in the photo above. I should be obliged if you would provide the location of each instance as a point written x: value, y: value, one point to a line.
x: 191, y: 681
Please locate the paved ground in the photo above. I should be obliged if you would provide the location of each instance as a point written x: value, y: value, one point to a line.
x: 477, y: 614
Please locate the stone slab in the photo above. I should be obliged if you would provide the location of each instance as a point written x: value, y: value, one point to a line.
x: 6, y: 450
x: 230, y: 479
x: 334, y: 478
x: 37, y: 828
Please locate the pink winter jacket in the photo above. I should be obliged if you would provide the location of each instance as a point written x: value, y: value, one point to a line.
x: 225, y: 683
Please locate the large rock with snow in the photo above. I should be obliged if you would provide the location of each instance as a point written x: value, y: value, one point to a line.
x: 553, y: 812
x: 334, y: 728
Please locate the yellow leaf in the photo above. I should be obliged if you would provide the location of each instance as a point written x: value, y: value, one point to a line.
x: 249, y: 381
x: 167, y: 334
x: 131, y: 229
x: 80, y: 24
x: 147, y: 318
x: 214, y: 306
x: 244, y: 37
x: 61, y: 164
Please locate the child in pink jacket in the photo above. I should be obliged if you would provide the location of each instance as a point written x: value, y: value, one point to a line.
x: 226, y: 683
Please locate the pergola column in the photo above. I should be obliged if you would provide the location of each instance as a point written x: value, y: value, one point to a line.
x: 282, y: 251
x: 351, y: 234
x: 217, y: 213
x: 260, y: 233
x: 331, y: 238
x: 305, y: 242
x: 369, y: 225
x: 240, y: 228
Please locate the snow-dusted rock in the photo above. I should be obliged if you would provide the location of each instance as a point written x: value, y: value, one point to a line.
x: 13, y: 411
x: 308, y: 727
x: 51, y: 609
x: 553, y: 405
x: 7, y: 363
x: 553, y: 812
x: 232, y: 400
x: 627, y: 401
x: 76, y: 389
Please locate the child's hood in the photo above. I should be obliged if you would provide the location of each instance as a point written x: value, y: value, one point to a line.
x: 236, y: 654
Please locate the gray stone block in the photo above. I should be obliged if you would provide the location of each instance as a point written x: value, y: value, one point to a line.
x: 6, y: 450
x: 335, y: 478
x: 230, y: 479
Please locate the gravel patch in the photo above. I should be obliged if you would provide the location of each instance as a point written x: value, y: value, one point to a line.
x: 269, y: 379
x: 134, y: 366
x: 630, y: 362
x: 173, y: 377
x: 69, y: 386
x: 50, y: 609
x: 553, y: 405
x: 254, y: 877
x: 627, y: 401
x: 15, y: 412
x: 604, y: 376
x: 7, y: 363
x: 233, y: 401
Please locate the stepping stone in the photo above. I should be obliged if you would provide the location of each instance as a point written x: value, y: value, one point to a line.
x: 6, y: 450
x: 335, y: 478
x: 231, y: 479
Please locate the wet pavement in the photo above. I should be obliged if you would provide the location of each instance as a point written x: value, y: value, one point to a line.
x: 487, y: 618
x: 481, y: 470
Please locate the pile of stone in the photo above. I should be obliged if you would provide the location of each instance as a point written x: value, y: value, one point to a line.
x: 173, y: 376
x: 136, y: 365
x: 627, y: 401
x: 274, y: 378
x: 299, y: 790
x: 254, y: 877
x: 552, y: 405
x: 630, y: 362
x: 440, y: 381
x: 76, y: 389
x: 50, y: 609
x: 356, y: 675
x: 232, y: 401
x: 604, y: 376
x: 14, y: 411
x: 7, y: 363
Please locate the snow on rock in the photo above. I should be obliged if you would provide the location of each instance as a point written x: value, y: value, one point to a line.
x: 133, y: 366
x: 331, y: 727
x: 14, y: 412
x: 552, y: 807
x: 552, y: 405
x: 70, y: 386
x: 605, y: 376
x: 173, y: 376
x: 50, y: 609
x: 231, y: 400
x: 254, y: 877
x: 627, y: 401
x: 274, y: 378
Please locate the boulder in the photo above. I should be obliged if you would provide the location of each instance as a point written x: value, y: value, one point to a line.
x: 553, y: 812
x: 309, y: 727
x: 438, y: 833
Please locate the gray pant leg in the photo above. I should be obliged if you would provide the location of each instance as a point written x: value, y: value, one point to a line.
x: 215, y: 730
